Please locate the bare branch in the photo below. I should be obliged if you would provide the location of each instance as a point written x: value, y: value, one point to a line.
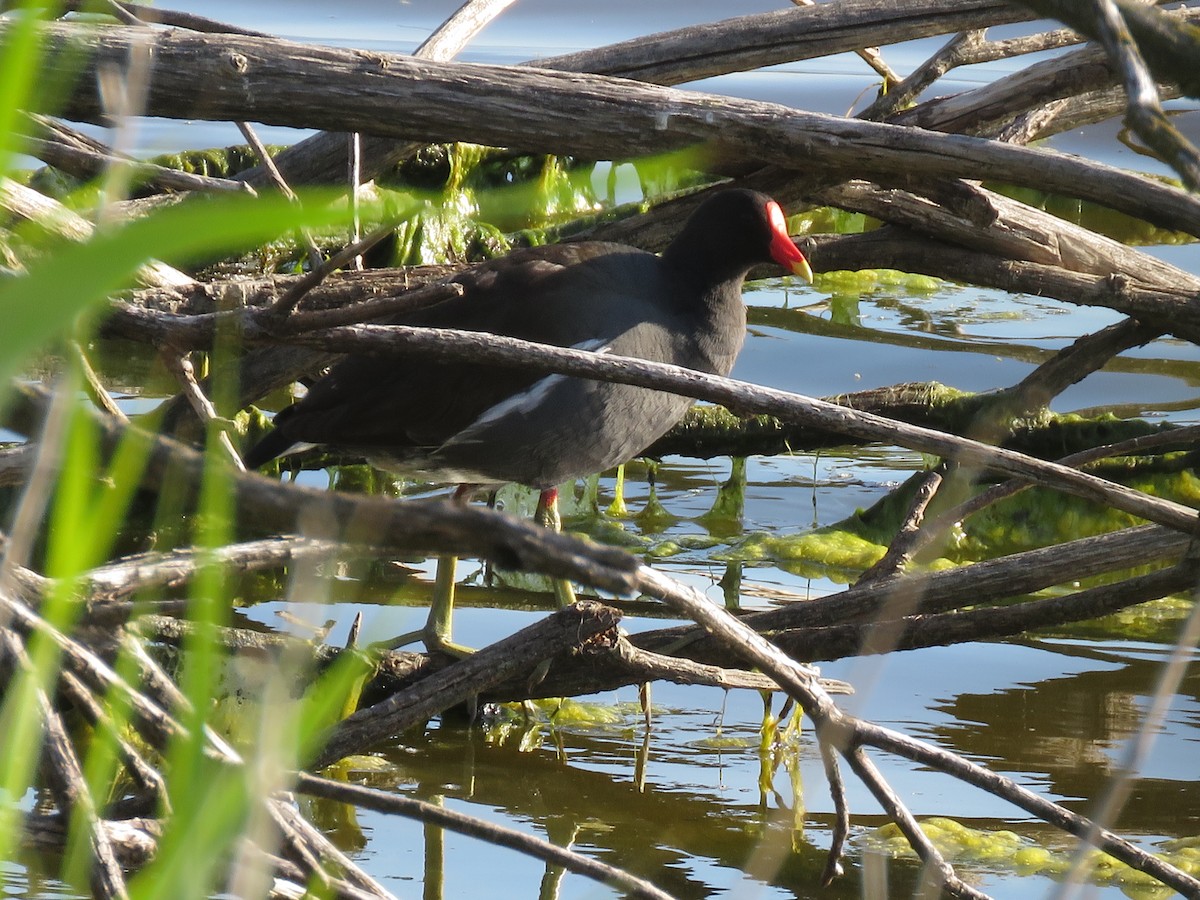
x: 486, y: 831
x: 1145, y: 115
x: 578, y: 114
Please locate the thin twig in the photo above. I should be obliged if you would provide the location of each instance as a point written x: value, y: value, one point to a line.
x: 294, y: 294
x: 900, y: 551
x: 935, y: 863
x: 143, y: 774
x: 1145, y: 113
x: 871, y: 56
x: 307, y: 836
x: 964, y: 49
x: 264, y: 156
x: 841, y: 809
x: 95, y: 387
x: 494, y: 349
x: 179, y: 365
x: 455, y: 821
x: 1181, y: 438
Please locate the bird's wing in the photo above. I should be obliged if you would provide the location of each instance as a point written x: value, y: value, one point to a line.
x: 568, y: 295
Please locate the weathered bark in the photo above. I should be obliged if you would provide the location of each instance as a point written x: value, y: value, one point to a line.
x: 686, y: 55
x: 281, y: 83
x: 1170, y: 50
x: 1176, y: 311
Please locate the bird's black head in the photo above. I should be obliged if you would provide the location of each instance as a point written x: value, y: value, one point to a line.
x: 732, y: 231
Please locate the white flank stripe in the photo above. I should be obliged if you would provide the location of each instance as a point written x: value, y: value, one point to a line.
x: 524, y: 402
x: 298, y: 447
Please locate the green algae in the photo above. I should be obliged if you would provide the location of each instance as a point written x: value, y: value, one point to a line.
x: 720, y: 743
x: 681, y: 544
x: 855, y: 283
x: 215, y: 162
x: 954, y: 840
x: 829, y: 219
x: 438, y: 233
x: 1028, y: 520
x: 725, y: 514
x: 1025, y: 521
x: 824, y: 552
x: 1095, y: 217
x: 1038, y: 518
x: 525, y: 725
x: 1004, y: 850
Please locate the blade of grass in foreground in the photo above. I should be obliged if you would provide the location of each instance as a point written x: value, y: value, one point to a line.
x: 20, y: 53
x: 42, y: 304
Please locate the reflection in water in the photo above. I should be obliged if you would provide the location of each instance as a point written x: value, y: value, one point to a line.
x: 1065, y: 732
x: 669, y: 806
x: 671, y: 836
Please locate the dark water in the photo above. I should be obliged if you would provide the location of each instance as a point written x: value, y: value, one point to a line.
x: 1054, y: 714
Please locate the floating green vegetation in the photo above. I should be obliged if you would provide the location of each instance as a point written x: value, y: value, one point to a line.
x: 681, y: 544
x: 954, y: 840
x: 1025, y: 521
x: 721, y: 742
x: 833, y: 552
x: 1004, y: 850
x: 1039, y: 518
x: 526, y: 724
x: 866, y: 281
x: 575, y: 713
x: 828, y: 219
x: 1116, y: 225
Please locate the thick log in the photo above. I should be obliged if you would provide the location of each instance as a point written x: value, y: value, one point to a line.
x: 785, y: 35
x: 283, y: 83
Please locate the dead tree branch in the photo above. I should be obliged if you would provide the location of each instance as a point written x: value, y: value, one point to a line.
x: 574, y: 114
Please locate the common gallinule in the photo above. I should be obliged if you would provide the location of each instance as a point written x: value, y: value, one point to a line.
x: 478, y: 424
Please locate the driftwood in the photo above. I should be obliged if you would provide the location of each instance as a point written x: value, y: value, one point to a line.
x: 915, y: 169
x: 273, y: 81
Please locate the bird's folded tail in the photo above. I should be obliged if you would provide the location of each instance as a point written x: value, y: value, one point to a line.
x: 276, y: 443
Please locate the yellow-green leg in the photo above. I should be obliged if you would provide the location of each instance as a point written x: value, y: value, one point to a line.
x: 548, y: 517
x: 618, y: 507
x: 438, y: 627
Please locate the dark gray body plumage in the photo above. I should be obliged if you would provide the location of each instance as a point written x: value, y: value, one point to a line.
x: 481, y: 424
